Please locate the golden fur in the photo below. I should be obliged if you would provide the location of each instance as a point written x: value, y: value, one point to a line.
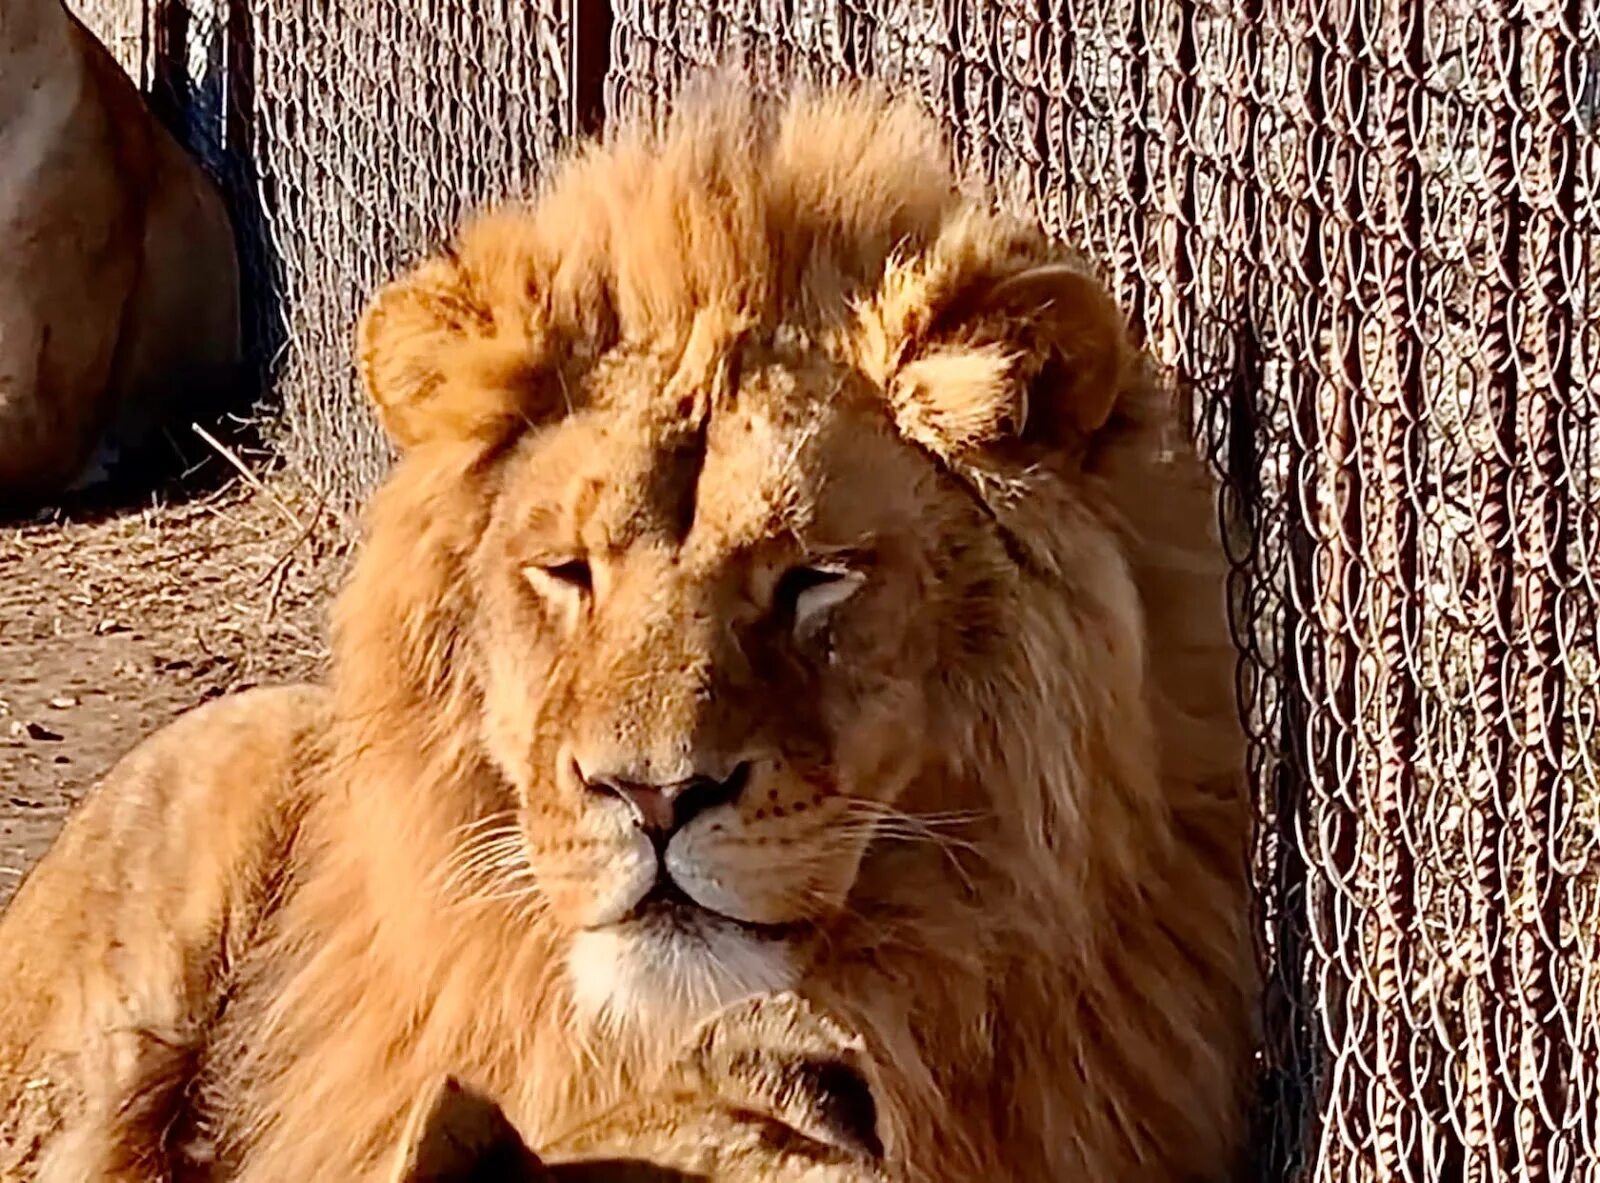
x: 769, y: 1089
x: 119, y: 287
x: 754, y: 450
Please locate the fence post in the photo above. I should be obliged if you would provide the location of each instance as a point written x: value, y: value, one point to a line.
x: 588, y: 58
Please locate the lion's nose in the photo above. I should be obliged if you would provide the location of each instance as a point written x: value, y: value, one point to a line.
x: 663, y: 810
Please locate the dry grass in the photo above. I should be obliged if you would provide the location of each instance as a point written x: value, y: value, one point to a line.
x: 111, y: 624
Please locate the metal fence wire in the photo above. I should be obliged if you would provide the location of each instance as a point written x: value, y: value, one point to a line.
x: 1363, y: 233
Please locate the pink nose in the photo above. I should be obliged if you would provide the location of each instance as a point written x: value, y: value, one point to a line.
x: 663, y: 810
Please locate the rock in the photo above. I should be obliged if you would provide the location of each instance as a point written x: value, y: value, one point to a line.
x: 119, y: 297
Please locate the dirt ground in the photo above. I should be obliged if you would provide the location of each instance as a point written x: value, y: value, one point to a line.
x: 113, y: 623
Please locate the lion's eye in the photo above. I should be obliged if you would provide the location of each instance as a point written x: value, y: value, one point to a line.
x: 561, y: 577
x: 806, y: 595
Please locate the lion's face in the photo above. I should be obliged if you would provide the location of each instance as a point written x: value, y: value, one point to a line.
x: 709, y: 643
x: 750, y: 456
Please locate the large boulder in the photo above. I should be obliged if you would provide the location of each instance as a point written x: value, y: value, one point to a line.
x: 119, y: 284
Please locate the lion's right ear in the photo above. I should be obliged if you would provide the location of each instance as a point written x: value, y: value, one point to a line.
x: 456, y: 1135
x: 995, y: 336
x: 441, y: 363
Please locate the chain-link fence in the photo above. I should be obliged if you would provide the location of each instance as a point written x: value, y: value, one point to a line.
x: 1363, y: 233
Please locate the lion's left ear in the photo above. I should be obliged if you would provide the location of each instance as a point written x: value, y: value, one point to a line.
x: 463, y: 346
x: 435, y: 362
x: 1038, y: 353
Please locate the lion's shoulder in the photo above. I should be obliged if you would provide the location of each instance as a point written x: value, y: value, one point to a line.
x: 167, y: 863
x: 179, y: 812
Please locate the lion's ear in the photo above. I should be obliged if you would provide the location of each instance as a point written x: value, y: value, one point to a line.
x: 1039, y: 355
x: 438, y: 363
x: 456, y: 1135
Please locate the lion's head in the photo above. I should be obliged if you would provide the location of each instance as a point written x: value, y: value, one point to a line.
x: 741, y: 440
x: 768, y: 502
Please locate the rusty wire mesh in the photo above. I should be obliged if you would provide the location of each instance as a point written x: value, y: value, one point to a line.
x: 1363, y: 233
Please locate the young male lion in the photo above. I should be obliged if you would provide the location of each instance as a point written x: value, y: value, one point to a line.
x: 793, y: 583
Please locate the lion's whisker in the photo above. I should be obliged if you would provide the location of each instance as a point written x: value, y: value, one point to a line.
x: 492, y: 851
x: 500, y: 817
x: 483, y: 858
x: 954, y: 817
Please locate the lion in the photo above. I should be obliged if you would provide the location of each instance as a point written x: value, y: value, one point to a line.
x: 794, y: 582
x: 119, y: 294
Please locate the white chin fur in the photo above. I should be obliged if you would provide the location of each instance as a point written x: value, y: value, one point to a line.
x: 649, y: 976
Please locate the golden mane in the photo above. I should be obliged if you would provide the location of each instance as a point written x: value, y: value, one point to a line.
x: 737, y: 210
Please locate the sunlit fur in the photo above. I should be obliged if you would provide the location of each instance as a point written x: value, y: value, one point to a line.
x: 995, y: 822
x: 770, y: 1090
